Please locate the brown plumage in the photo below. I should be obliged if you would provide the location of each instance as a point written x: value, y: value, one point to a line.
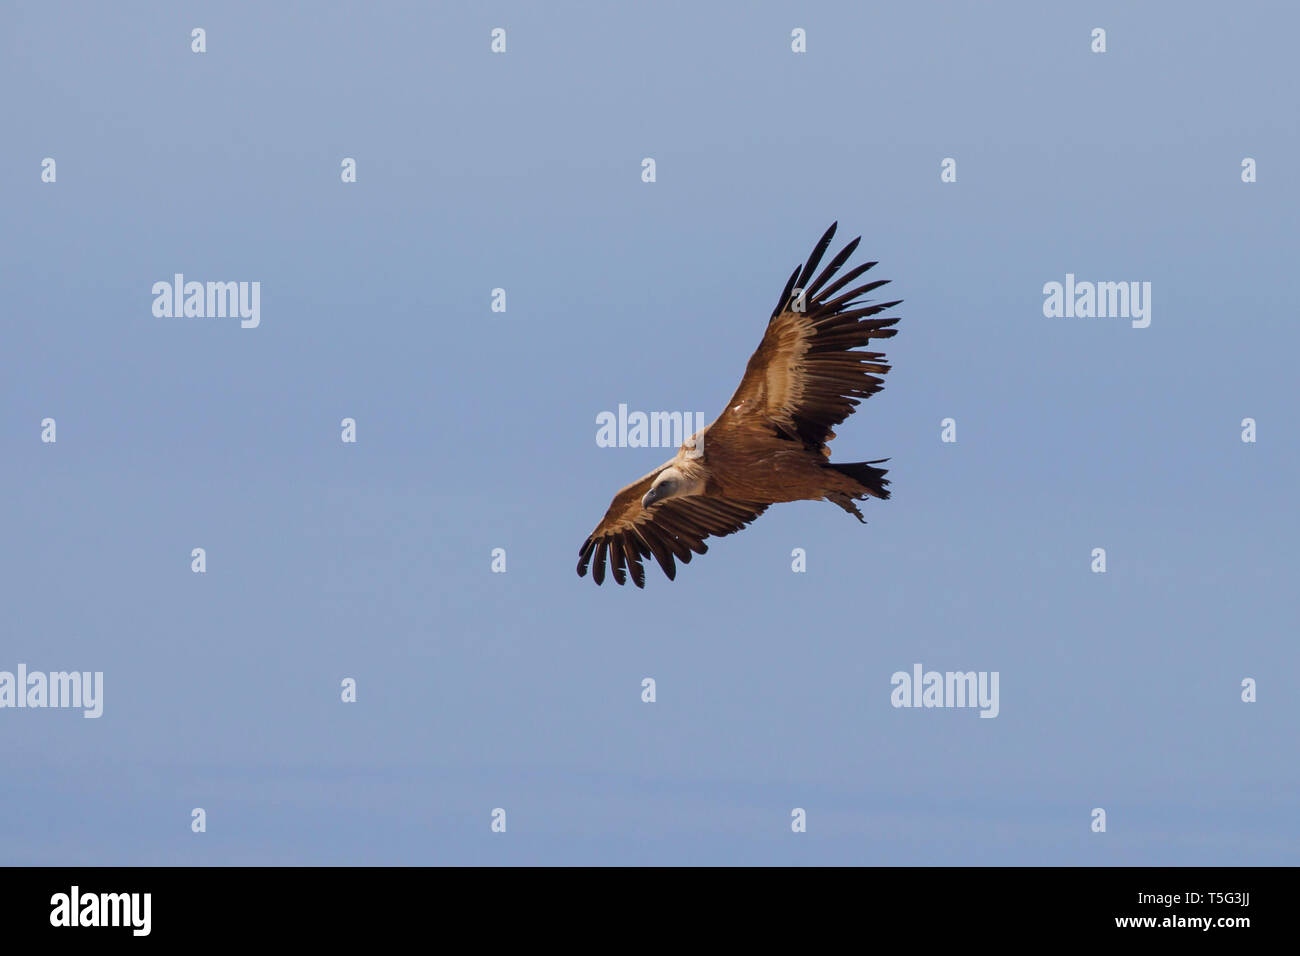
x: 770, y: 442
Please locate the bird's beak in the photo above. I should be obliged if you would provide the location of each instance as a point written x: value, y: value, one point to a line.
x: 650, y: 498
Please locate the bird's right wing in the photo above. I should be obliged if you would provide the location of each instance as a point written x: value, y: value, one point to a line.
x: 672, y: 528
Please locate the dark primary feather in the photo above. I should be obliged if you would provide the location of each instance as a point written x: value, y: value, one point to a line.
x: 785, y: 296
x: 819, y: 250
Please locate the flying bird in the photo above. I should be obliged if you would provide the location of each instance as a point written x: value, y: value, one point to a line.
x: 770, y: 442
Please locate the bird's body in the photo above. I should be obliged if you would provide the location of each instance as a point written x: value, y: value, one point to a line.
x: 760, y: 468
x: 769, y: 445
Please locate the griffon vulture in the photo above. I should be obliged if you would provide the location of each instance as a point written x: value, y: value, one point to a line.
x: 770, y: 442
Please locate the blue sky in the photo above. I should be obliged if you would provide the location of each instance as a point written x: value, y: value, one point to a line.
x: 476, y: 430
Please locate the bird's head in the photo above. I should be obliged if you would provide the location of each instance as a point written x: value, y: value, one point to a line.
x: 672, y: 483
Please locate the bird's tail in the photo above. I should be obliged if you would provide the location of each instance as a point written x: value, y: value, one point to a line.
x: 871, y: 479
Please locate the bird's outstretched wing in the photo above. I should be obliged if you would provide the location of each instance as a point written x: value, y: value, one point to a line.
x: 805, y: 376
x: 673, y: 528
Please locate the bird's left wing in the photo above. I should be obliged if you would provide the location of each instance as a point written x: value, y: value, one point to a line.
x: 670, y: 529
x: 806, y: 375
